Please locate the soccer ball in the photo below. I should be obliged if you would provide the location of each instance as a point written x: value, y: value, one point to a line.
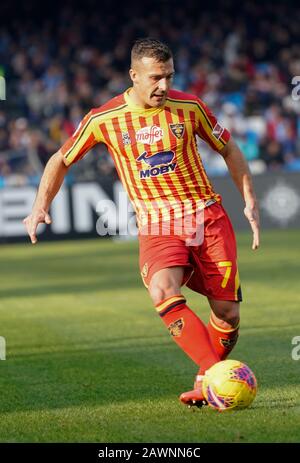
x: 228, y: 385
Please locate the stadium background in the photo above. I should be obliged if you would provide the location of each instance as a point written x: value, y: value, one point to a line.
x: 81, y: 343
x: 61, y: 61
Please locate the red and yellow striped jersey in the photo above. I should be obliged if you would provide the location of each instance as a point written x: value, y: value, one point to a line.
x: 154, y: 151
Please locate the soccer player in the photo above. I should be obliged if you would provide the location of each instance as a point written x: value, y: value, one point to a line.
x: 150, y: 131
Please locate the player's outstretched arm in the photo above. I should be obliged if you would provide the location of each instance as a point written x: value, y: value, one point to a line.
x: 241, y: 175
x: 51, y: 182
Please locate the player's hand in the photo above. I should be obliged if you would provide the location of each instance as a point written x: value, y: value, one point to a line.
x: 252, y: 214
x: 31, y: 222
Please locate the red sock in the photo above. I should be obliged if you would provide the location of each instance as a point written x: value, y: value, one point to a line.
x: 188, y: 331
x: 222, y: 340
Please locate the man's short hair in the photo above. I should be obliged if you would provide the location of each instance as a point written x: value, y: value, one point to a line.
x: 151, y: 48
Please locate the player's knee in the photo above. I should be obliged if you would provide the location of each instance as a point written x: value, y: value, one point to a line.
x: 165, y: 283
x: 229, y: 314
x: 159, y: 291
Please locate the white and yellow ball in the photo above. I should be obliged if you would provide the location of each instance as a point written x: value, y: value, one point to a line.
x: 229, y: 384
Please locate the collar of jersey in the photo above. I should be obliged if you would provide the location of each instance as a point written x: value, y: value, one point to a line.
x: 137, y: 108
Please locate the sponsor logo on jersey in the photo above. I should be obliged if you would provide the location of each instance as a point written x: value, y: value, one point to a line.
x: 159, y: 163
x: 149, y: 135
x: 217, y: 131
x: 177, y: 130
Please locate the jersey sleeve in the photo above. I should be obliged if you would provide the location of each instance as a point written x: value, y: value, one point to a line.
x: 83, y: 139
x: 209, y: 129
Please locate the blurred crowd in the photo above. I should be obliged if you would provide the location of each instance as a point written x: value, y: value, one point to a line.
x: 239, y: 58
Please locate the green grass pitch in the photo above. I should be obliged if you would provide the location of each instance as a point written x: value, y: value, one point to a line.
x: 88, y: 359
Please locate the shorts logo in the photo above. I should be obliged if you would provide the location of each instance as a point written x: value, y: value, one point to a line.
x: 176, y: 328
x: 177, y: 130
x: 160, y: 163
x: 144, y: 271
x: 149, y: 135
x: 217, y: 131
x: 126, y: 138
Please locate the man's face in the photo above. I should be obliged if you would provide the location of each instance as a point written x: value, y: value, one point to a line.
x: 151, y: 81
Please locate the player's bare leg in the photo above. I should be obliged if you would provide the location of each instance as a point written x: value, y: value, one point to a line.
x: 165, y: 283
x: 224, y: 325
x: 187, y: 330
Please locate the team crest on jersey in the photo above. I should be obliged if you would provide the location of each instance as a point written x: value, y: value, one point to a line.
x: 149, y: 135
x: 126, y: 138
x: 160, y: 163
x: 175, y: 328
x: 177, y: 130
x: 217, y: 131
